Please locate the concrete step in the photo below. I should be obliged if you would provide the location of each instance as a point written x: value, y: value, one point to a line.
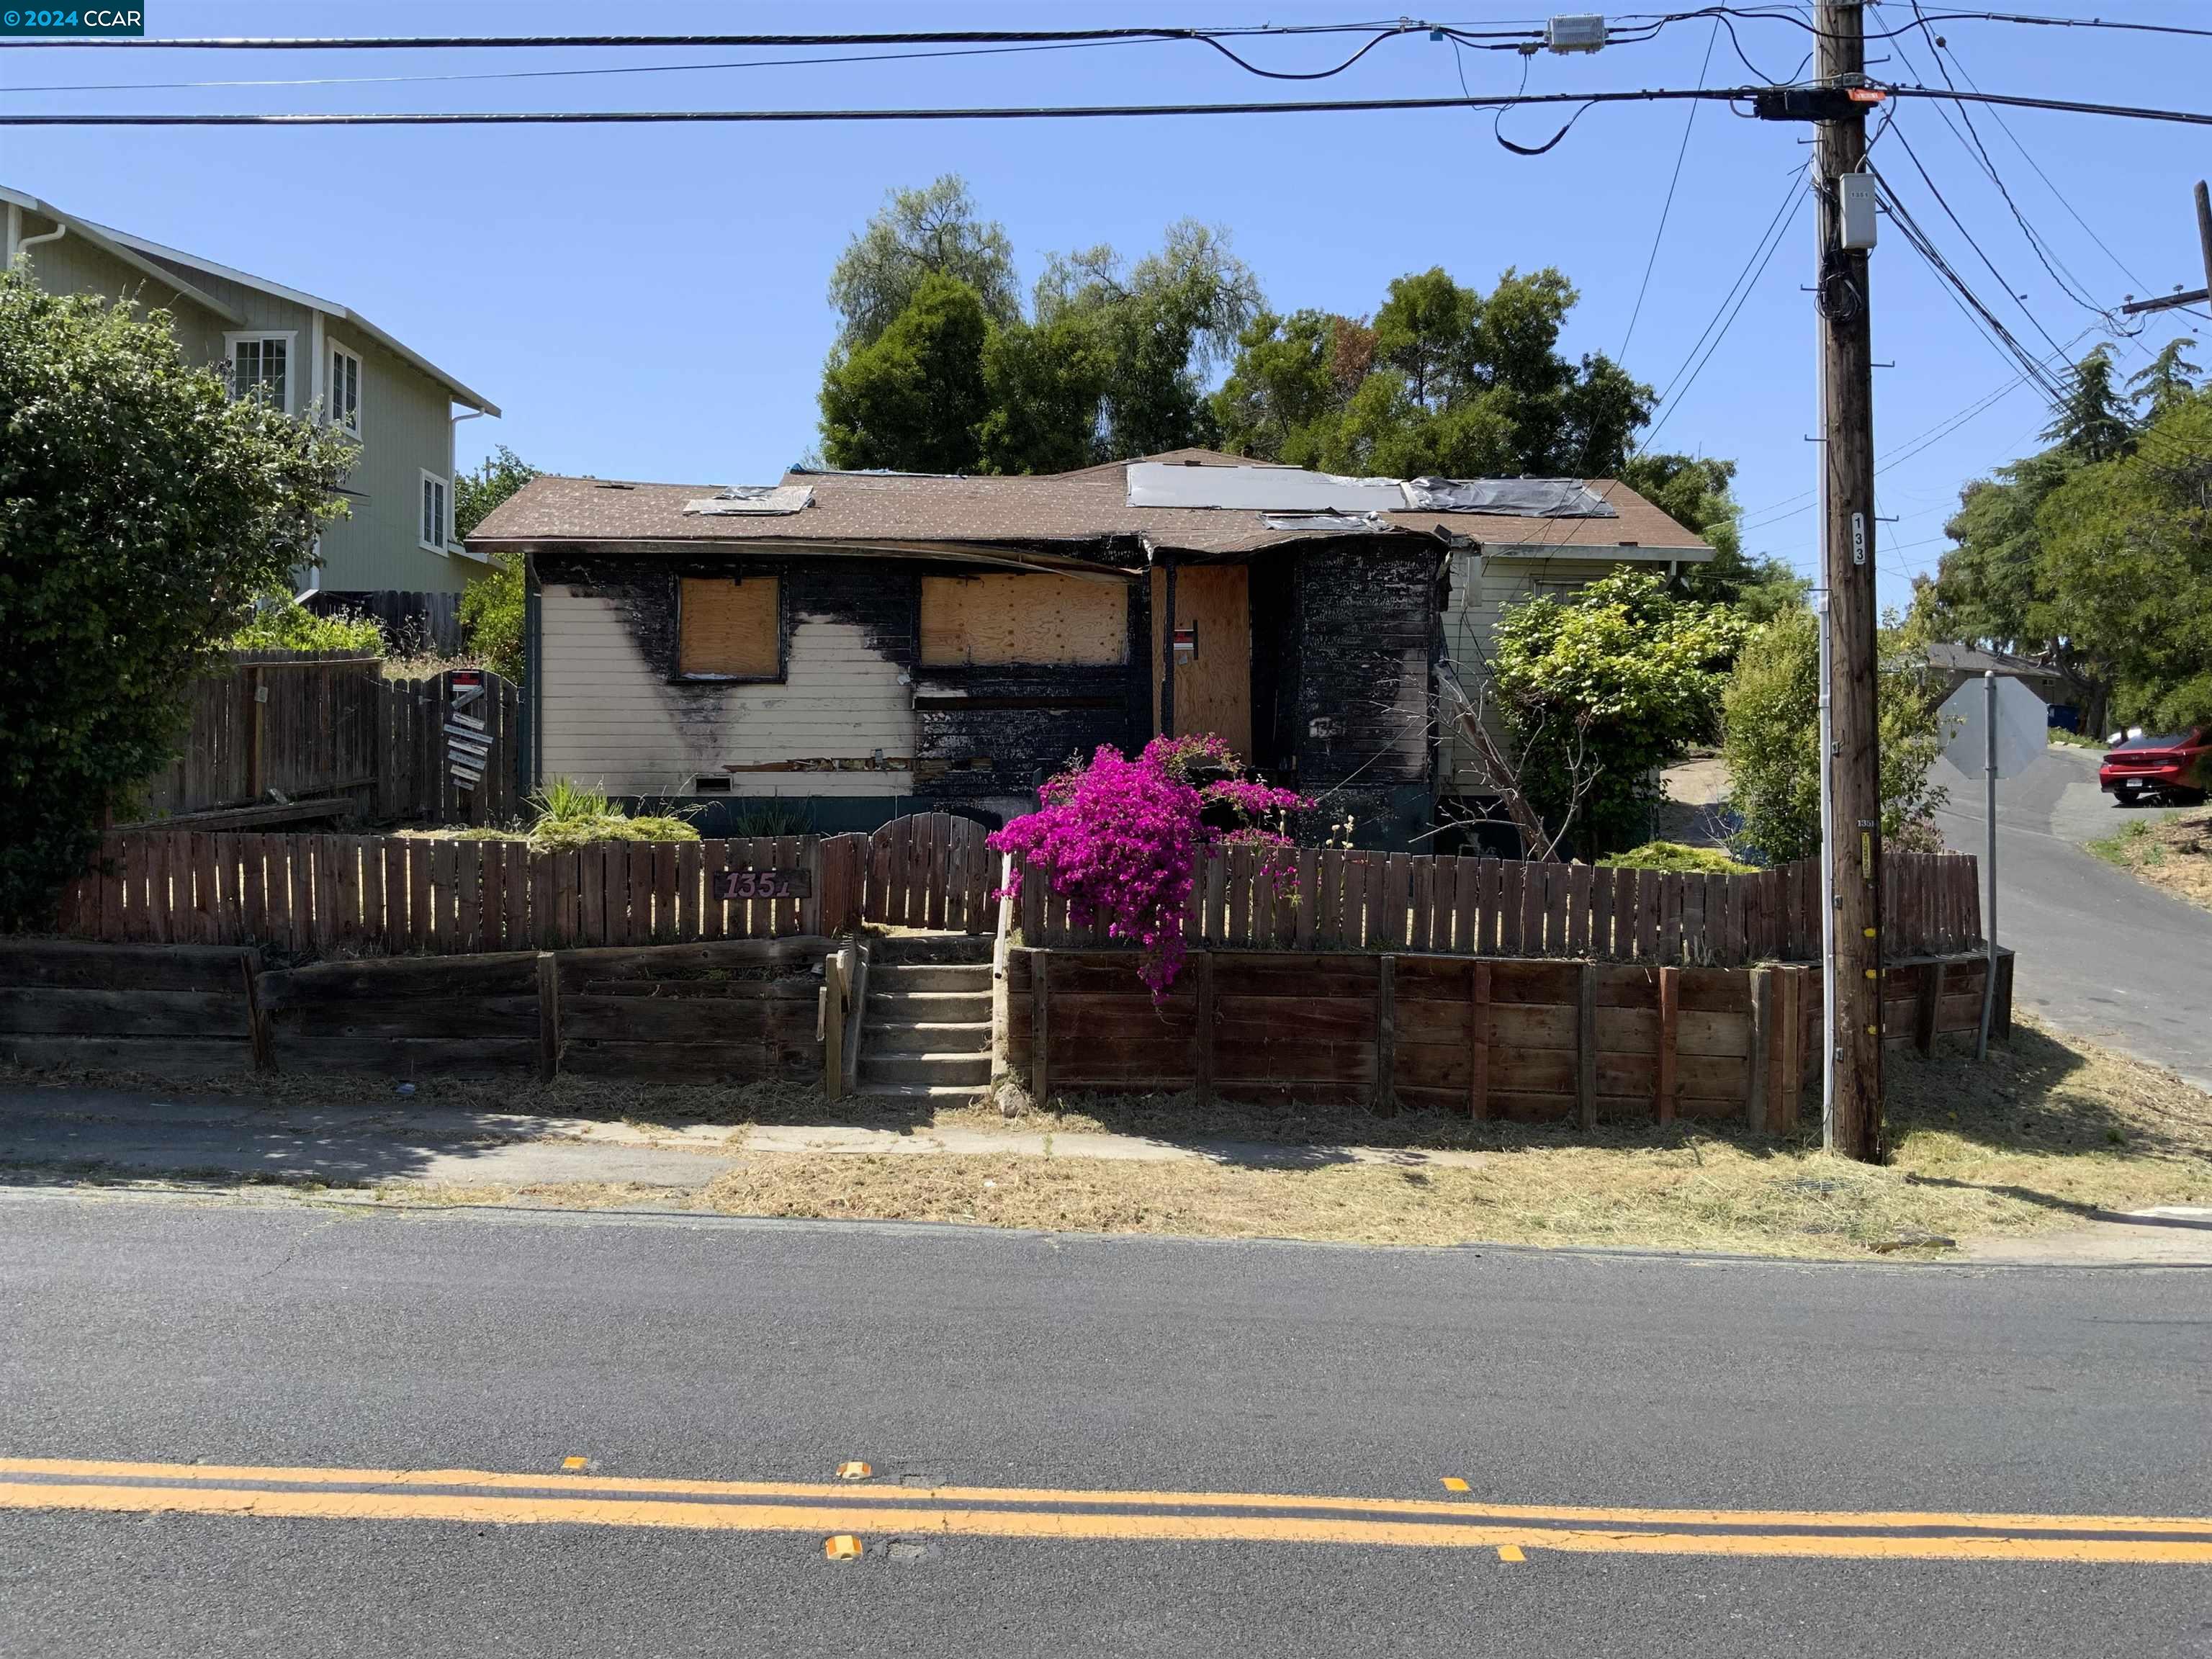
x: 928, y: 1007
x: 937, y: 1037
x: 901, y: 949
x: 972, y: 1071
x: 921, y: 1090
x: 929, y: 976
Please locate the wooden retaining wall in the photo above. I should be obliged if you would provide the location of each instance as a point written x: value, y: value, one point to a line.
x: 1330, y: 899
x: 736, y: 1011
x: 1490, y: 1038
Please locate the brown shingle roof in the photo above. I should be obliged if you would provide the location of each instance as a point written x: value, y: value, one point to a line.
x: 1085, y: 513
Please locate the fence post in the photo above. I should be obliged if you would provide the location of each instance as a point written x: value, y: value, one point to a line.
x: 548, y: 1016
x: 833, y: 1025
x: 1202, y: 1038
x: 1930, y: 1006
x: 1386, y: 1030
x: 1477, y: 1044
x: 1762, y: 1047
x: 257, y: 725
x: 256, y: 1024
x: 1040, y: 1005
x: 1586, y: 1047
x: 1670, y: 1004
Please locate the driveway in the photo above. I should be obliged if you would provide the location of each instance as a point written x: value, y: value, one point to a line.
x: 2101, y: 954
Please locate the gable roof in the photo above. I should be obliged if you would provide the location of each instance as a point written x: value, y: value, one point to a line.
x: 1079, y: 515
x: 174, y: 268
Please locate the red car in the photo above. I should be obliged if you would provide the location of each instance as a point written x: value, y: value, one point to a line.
x: 2177, y: 768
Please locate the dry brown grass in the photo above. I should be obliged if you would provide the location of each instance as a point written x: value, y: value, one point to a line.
x: 2051, y: 1130
x: 2175, y: 853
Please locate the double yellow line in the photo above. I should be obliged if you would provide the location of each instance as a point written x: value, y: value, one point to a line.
x: 479, y: 1496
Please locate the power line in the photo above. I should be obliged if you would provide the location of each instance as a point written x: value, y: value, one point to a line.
x: 1668, y: 206
x: 894, y: 38
x: 1037, y: 112
x: 1724, y: 318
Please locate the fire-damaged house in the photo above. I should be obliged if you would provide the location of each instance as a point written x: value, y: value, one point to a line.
x: 858, y: 646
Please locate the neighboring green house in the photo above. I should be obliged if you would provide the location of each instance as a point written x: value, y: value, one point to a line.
x: 312, y: 357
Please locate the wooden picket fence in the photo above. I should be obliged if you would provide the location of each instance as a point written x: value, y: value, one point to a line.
x: 933, y: 869
x: 1330, y: 899
x: 392, y: 895
x: 309, y: 726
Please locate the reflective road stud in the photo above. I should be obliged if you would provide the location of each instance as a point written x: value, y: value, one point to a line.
x: 841, y: 1546
x: 575, y: 1462
x: 1453, y: 1483
x: 1511, y: 1552
x: 855, y: 1471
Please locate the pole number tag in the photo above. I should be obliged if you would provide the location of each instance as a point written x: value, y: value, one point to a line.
x: 1858, y: 538
x: 763, y: 883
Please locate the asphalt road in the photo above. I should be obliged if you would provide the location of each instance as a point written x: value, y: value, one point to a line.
x: 2101, y: 954
x: 177, y: 1330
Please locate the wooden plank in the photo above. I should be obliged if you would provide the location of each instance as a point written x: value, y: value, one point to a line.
x: 691, y: 891
x: 1492, y: 924
x: 1467, y: 906
x: 468, y: 877
x: 1669, y: 1027
x: 1041, y: 1025
x: 1536, y: 910
x: 442, y: 900
x: 323, y: 854
x: 392, y: 852
x: 1203, y: 1036
x: 1386, y: 1032
x: 1376, y: 912
x: 1931, y: 977
x: 1600, y: 911
x: 1512, y: 906
x: 1239, y: 927
x: 252, y: 890
x: 1307, y: 891
x: 568, y: 880
x: 548, y: 1016
x: 1421, y: 925
x: 1264, y: 894
x: 1397, y: 901
x: 1582, y: 891
x: 299, y: 893
x: 1478, y: 1043
x: 1586, y: 1047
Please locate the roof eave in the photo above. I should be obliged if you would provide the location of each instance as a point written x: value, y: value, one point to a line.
x: 117, y: 248
x: 1695, y: 553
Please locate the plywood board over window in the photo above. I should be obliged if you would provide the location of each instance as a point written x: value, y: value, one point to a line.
x: 996, y: 621
x: 728, y: 630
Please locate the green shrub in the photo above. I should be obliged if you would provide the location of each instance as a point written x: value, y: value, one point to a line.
x: 560, y: 834
x: 142, y: 508
x: 563, y: 800
x: 281, y: 622
x: 491, y: 611
x: 1673, y: 855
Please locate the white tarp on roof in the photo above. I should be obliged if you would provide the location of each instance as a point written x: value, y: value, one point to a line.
x: 1259, y: 489
x: 755, y: 500
x: 1519, y: 498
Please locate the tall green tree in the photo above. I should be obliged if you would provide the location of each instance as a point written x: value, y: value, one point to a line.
x: 142, y: 508
x: 1773, y: 704
x: 492, y: 604
x: 914, y: 398
x: 1447, y: 380
x: 2165, y: 381
x: 935, y: 231
x: 1697, y: 492
x: 1602, y: 689
x: 2093, y: 424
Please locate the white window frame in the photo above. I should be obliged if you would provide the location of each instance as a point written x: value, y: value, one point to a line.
x: 334, y: 349
x: 291, y: 336
x: 445, y: 528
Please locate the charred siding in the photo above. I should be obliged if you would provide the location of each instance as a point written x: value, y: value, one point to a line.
x: 1363, y: 630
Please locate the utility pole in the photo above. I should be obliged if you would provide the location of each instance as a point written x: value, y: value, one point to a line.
x: 1854, y: 826
x: 2195, y: 296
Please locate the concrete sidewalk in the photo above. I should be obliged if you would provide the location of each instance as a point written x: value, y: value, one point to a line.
x: 240, y: 1136
x: 45, y: 1132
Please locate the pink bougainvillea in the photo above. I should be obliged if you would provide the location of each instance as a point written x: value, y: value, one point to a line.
x: 1120, y: 839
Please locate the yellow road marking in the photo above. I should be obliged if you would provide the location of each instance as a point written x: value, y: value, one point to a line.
x: 2194, y: 1526
x: 1067, y: 1526
x: 593, y: 1501
x: 1453, y: 1483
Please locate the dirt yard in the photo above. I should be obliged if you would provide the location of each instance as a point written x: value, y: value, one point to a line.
x: 2175, y: 854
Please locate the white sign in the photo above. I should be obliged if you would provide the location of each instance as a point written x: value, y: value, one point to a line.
x: 2022, y: 726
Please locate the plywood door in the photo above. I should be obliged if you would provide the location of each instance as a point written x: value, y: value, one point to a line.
x: 1214, y: 692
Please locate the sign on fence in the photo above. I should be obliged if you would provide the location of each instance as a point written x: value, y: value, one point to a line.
x: 733, y: 884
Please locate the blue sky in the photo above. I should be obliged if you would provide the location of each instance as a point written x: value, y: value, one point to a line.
x: 648, y: 302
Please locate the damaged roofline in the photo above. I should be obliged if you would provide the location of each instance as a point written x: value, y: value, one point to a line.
x: 1697, y: 554
x: 780, y: 547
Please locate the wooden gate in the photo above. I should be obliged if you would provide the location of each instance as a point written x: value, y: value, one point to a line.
x: 932, y: 870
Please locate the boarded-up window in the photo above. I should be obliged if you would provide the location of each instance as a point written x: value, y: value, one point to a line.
x: 727, y: 629
x: 992, y: 621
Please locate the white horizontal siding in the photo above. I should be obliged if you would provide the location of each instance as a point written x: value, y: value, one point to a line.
x: 1479, y: 596
x: 611, y: 720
